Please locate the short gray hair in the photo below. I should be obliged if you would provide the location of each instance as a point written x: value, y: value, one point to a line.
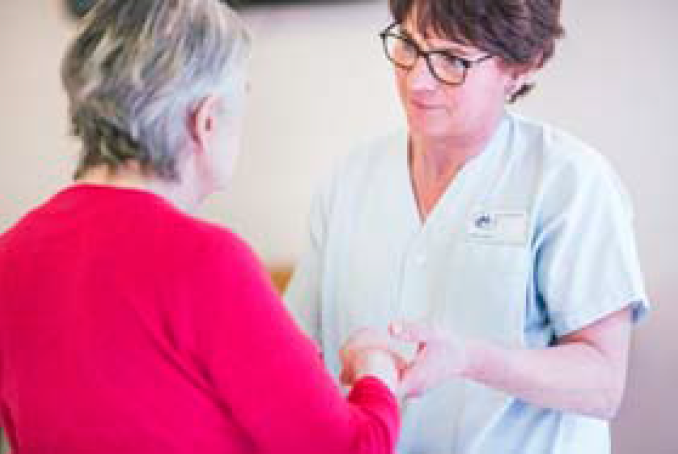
x: 136, y: 71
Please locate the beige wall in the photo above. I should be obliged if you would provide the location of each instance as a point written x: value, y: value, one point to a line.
x: 321, y: 85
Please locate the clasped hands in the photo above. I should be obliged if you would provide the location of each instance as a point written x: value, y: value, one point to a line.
x: 438, y: 356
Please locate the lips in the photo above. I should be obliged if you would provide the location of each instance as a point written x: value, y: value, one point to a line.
x: 423, y: 105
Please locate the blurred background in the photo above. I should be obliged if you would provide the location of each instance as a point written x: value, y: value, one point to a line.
x: 321, y: 86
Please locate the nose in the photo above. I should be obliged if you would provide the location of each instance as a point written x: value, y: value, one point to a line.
x: 420, y: 78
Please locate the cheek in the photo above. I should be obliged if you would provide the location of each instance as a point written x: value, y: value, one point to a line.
x: 223, y: 157
x: 494, y: 83
x: 230, y: 150
x: 479, y: 96
x: 401, y: 84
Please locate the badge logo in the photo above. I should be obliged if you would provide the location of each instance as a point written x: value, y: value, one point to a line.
x: 498, y: 227
x: 484, y: 221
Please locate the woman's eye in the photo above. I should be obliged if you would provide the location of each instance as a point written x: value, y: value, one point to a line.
x: 454, y: 62
x: 408, y: 48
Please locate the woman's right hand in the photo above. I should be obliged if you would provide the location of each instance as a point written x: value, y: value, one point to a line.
x: 367, y: 353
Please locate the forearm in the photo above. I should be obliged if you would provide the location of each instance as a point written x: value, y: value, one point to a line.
x: 574, y: 377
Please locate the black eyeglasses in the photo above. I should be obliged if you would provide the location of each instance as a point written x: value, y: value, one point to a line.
x: 446, y: 67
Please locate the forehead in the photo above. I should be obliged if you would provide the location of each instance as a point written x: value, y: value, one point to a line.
x: 432, y: 37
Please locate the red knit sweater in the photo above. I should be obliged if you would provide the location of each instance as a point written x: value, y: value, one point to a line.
x: 129, y: 327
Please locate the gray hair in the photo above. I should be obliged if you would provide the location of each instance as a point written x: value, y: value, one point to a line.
x: 138, y: 69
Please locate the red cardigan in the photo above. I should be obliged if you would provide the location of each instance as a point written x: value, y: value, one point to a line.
x: 129, y: 327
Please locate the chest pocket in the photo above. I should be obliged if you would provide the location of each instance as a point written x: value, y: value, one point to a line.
x: 486, y: 293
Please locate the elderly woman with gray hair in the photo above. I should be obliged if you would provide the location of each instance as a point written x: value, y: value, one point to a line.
x: 126, y: 325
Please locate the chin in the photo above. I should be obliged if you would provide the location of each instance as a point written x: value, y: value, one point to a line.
x: 429, y: 128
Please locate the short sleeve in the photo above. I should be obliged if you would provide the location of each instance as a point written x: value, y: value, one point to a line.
x: 587, y: 265
x: 303, y: 296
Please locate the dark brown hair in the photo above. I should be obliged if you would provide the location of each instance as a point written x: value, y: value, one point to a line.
x: 520, y: 32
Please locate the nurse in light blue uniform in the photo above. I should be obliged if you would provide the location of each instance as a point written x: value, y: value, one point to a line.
x: 503, y: 247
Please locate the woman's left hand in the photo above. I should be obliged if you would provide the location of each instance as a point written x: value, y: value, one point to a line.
x: 440, y: 356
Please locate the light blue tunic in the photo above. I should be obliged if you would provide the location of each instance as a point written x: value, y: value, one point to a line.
x: 532, y: 240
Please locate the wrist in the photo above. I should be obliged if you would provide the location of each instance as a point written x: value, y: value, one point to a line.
x: 471, y: 363
x: 477, y: 355
x: 372, y: 361
x: 379, y: 364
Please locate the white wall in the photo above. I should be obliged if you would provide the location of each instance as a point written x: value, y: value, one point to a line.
x: 321, y: 85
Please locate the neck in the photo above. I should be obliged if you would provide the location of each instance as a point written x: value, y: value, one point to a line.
x: 181, y: 195
x: 439, y: 158
x: 434, y: 163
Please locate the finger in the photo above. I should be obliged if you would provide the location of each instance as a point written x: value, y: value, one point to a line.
x: 415, y: 375
x: 411, y: 383
x: 343, y: 377
x: 346, y: 377
x: 410, y: 331
x: 400, y: 363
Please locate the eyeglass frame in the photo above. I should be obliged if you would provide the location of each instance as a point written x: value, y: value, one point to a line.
x: 465, y: 62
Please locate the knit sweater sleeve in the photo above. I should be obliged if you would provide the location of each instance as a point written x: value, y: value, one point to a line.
x: 269, y: 375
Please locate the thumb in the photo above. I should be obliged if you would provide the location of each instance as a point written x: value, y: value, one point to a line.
x: 410, y: 331
x: 412, y: 379
x: 411, y: 385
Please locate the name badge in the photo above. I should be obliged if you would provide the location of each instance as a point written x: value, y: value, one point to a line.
x: 498, y: 227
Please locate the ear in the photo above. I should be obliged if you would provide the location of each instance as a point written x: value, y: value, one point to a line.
x: 203, y: 122
x: 517, y: 79
x: 521, y: 75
